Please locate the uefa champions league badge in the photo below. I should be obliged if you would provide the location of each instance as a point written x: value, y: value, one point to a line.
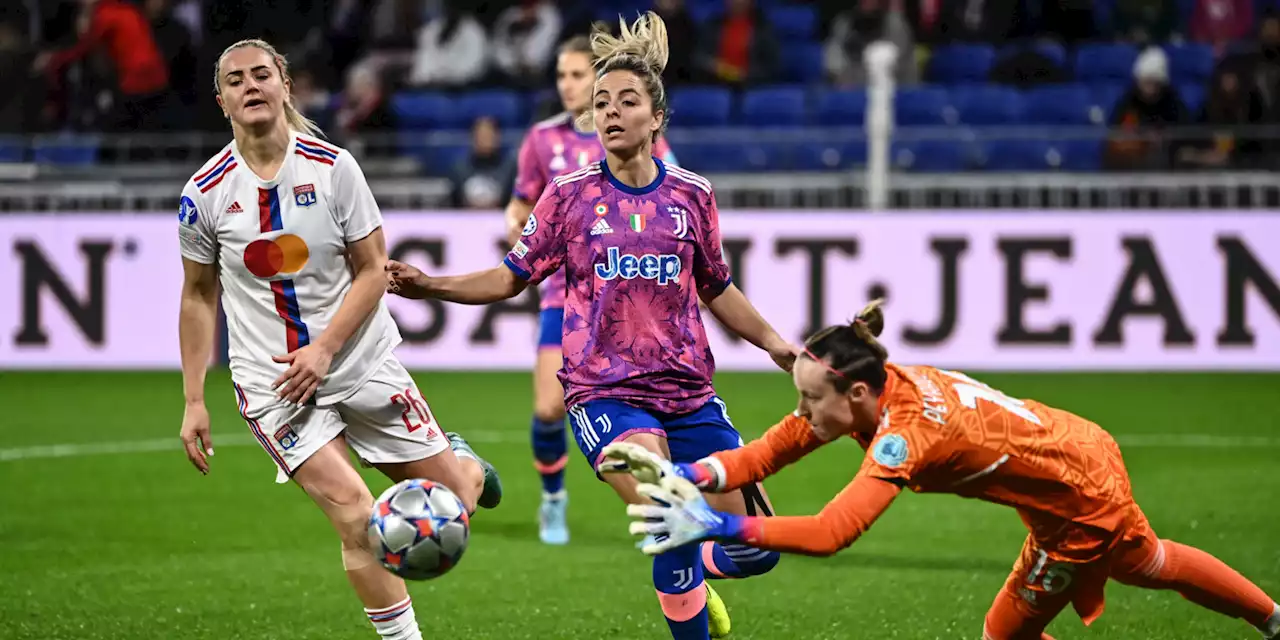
x: 187, y: 213
x: 890, y: 451
x: 530, y: 226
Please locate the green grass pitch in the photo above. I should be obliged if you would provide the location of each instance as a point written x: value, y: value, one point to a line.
x: 129, y: 544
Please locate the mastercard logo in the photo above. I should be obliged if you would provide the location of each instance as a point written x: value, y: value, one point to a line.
x: 283, y: 255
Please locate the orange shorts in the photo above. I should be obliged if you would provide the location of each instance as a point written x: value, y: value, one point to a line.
x: 1063, y: 562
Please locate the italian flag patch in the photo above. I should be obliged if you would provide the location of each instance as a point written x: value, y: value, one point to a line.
x: 637, y: 222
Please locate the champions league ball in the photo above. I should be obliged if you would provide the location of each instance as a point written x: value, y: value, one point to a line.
x: 419, y: 529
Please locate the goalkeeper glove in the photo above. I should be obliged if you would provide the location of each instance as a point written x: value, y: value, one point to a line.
x: 650, y: 468
x: 681, y: 516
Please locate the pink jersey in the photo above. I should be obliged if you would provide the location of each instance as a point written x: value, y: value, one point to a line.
x: 552, y: 148
x: 636, y: 261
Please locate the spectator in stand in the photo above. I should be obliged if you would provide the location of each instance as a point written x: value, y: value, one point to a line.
x: 682, y: 32
x: 1147, y: 22
x: 310, y: 98
x: 122, y: 31
x: 739, y: 47
x: 867, y: 22
x: 1230, y: 107
x: 975, y: 20
x: 524, y: 42
x: 19, y: 103
x: 483, y: 179
x: 453, y: 50
x: 1221, y: 22
x: 362, y: 107
x: 1143, y: 116
x: 395, y: 24
x: 175, y: 42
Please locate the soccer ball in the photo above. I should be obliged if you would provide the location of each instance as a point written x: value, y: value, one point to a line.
x: 419, y: 529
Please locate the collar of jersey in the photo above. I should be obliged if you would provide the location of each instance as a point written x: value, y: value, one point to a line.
x: 635, y: 191
x: 288, y: 151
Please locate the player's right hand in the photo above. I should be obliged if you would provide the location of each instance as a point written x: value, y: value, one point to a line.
x: 195, y: 436
x: 649, y: 467
x: 628, y: 457
x: 405, y: 280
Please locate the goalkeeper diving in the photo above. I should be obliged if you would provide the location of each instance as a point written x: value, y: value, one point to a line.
x: 930, y: 430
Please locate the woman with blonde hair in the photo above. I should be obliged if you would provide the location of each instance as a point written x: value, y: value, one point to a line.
x: 553, y: 147
x: 286, y: 226
x: 639, y: 242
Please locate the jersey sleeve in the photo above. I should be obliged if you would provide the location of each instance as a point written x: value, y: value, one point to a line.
x: 531, y: 176
x: 710, y: 272
x: 781, y: 445
x: 196, y: 236
x: 543, y: 244
x: 354, y: 206
x: 898, y: 452
x: 849, y: 515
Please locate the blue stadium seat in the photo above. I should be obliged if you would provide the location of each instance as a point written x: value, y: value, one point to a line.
x: 713, y: 157
x: 1068, y: 104
x: 700, y: 106
x: 922, y: 106
x: 989, y: 105
x: 961, y: 63
x: 1014, y: 155
x: 802, y: 62
x: 423, y: 110
x: 793, y: 22
x: 703, y: 12
x: 66, y: 149
x: 504, y: 106
x: 1095, y: 63
x: 12, y: 150
x: 834, y: 156
x: 774, y: 107
x: 769, y: 155
x: 1078, y: 155
x: 933, y: 156
x: 1104, y: 99
x: 1190, y: 63
x: 1193, y: 96
x: 1051, y: 50
x: 841, y: 108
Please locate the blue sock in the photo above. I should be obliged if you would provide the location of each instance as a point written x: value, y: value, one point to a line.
x: 677, y: 575
x: 736, y: 560
x: 550, y: 453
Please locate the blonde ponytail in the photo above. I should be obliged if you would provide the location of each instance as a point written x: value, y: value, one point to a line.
x: 645, y: 40
x: 296, y: 120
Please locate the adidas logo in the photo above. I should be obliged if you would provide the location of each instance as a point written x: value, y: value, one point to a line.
x: 235, y: 208
x: 600, y: 228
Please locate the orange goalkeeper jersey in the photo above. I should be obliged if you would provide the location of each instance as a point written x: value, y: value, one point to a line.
x: 942, y: 431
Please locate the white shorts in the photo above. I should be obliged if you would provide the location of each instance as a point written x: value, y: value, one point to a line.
x: 385, y: 420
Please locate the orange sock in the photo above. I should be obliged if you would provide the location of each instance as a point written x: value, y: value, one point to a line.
x: 1210, y: 583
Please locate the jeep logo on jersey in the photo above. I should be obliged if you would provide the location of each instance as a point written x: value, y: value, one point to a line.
x: 661, y: 267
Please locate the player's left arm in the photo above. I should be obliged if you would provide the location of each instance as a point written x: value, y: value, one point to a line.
x: 849, y: 515
x: 726, y: 302
x: 360, y: 220
x: 682, y: 516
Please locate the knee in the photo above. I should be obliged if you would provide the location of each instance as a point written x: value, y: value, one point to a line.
x: 550, y: 411
x: 765, y: 564
x: 348, y: 510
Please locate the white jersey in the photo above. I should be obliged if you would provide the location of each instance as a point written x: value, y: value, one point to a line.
x: 280, y: 247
